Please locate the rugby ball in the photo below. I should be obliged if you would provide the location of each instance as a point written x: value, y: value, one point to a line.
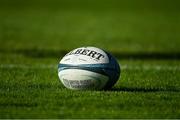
x: 88, y: 68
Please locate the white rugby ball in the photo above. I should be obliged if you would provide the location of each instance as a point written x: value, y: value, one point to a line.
x: 88, y: 68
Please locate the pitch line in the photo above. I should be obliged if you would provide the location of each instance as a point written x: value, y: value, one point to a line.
x: 150, y: 67
x: 123, y: 67
x: 23, y: 66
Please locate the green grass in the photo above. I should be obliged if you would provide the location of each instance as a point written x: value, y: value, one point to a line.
x: 130, y: 26
x: 143, y: 35
x: 34, y: 92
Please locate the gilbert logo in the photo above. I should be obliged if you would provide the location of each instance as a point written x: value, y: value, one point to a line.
x: 87, y: 52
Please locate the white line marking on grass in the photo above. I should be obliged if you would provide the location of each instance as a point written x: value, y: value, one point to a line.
x: 23, y: 66
x: 149, y: 67
x: 123, y: 67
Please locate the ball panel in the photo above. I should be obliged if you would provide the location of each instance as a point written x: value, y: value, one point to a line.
x: 85, y: 55
x: 82, y: 79
x: 98, y: 68
x: 113, y: 73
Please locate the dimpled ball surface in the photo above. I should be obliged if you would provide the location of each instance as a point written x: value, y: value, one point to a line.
x: 88, y: 68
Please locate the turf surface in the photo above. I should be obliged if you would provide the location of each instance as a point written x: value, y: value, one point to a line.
x: 143, y: 35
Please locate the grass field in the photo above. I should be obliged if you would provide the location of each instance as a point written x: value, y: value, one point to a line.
x: 143, y: 35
